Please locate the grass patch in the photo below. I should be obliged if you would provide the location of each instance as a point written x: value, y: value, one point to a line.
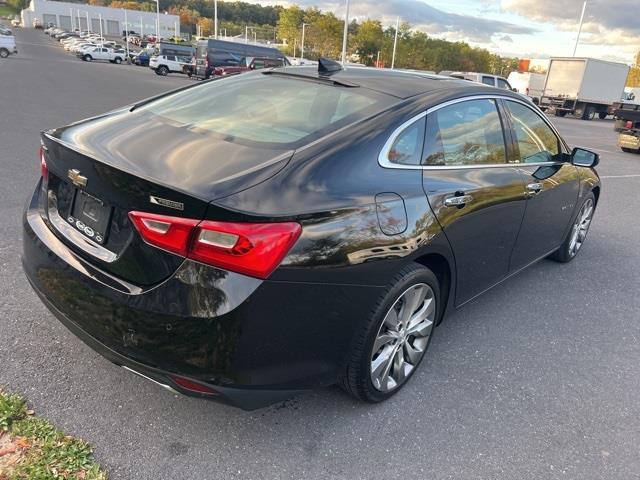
x: 6, y: 11
x: 33, y: 449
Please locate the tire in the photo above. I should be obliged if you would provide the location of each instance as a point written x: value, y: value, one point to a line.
x: 561, y: 113
x: 602, y: 115
x: 629, y: 150
x: 4, y: 53
x: 117, y: 60
x: 589, y: 113
x: 568, y: 250
x: 393, y: 343
x: 162, y: 71
x: 87, y: 58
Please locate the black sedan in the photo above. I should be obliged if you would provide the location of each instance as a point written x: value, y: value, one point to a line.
x: 251, y: 237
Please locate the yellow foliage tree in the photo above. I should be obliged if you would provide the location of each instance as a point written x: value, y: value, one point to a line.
x: 206, y: 26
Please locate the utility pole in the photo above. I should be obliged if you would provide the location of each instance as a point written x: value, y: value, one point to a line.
x: 88, y: 26
x: 141, y: 28
x: 126, y: 34
x: 100, y: 21
x: 584, y: 7
x: 246, y: 34
x: 302, y: 46
x: 157, y: 21
x: 345, y: 34
x: 215, y: 19
x: 395, y: 44
x: 73, y: 23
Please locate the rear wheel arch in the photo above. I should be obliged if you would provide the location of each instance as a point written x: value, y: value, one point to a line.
x: 596, y: 194
x: 441, y: 268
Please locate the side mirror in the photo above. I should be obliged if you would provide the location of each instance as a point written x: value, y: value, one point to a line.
x: 515, y: 89
x: 584, y: 158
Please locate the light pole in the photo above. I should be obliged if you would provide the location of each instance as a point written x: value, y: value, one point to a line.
x: 584, y: 7
x: 395, y: 44
x: 215, y: 19
x: 157, y: 21
x: 302, y: 45
x: 73, y: 23
x: 126, y: 34
x: 100, y: 21
x: 345, y: 35
x: 88, y: 26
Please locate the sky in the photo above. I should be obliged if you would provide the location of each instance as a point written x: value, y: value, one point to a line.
x: 522, y: 28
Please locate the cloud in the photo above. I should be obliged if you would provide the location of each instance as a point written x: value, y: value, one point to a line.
x: 420, y: 15
x: 505, y: 38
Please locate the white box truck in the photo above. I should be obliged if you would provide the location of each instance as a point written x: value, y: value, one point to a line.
x: 584, y: 87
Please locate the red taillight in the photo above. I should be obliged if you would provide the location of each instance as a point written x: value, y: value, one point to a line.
x: 629, y: 124
x: 169, y: 233
x: 254, y: 249
x: 192, y: 385
x: 44, y: 170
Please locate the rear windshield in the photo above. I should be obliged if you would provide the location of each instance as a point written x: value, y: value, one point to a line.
x: 270, y: 110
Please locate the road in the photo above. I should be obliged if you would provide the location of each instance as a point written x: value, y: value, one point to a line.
x: 537, y: 379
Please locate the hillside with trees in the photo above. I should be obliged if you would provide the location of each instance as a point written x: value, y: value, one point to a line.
x: 368, y: 40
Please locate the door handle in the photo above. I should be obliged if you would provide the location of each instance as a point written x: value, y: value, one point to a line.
x: 534, y: 188
x: 458, y: 201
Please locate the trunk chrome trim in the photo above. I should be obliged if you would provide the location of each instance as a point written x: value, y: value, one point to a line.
x: 384, y: 162
x: 163, y: 385
x: 75, y: 237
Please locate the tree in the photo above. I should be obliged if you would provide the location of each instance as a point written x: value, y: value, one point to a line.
x: 633, y: 80
x: 289, y: 26
x: 368, y: 40
x: 206, y: 26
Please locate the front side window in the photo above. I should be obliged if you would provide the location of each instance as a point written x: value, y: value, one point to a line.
x: 407, y: 147
x: 535, y: 139
x: 488, y: 81
x: 465, y: 133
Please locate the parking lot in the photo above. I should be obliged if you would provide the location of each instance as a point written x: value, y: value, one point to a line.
x: 537, y: 379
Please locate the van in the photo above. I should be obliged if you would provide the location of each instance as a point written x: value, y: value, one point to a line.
x: 485, y: 78
x: 7, y: 43
x: 528, y: 83
x: 220, y: 53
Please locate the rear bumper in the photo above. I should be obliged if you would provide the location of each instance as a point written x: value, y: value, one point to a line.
x: 254, y: 342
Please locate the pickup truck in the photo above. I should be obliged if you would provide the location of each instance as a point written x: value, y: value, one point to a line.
x: 101, y: 53
x: 247, y: 64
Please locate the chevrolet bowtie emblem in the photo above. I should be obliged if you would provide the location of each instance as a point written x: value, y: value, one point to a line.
x: 77, y: 179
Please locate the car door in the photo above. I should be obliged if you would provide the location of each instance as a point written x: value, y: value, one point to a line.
x: 476, y: 195
x: 551, y: 183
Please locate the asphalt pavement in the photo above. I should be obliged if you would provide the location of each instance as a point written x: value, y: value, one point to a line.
x: 537, y: 379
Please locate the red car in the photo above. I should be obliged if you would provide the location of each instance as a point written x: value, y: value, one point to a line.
x: 247, y: 64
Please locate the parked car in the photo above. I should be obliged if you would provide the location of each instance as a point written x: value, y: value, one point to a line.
x: 7, y: 43
x: 247, y: 64
x: 165, y: 64
x: 102, y: 54
x: 221, y: 53
x: 485, y: 78
x: 274, y: 232
x: 142, y: 59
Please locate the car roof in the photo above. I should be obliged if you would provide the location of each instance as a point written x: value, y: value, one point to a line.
x: 398, y: 83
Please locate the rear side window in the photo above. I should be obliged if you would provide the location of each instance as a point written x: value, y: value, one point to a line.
x: 488, y: 81
x: 407, y: 147
x: 535, y: 139
x: 465, y: 133
x: 269, y: 110
x: 503, y: 84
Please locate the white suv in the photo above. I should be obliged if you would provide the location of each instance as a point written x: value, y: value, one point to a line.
x: 486, y: 78
x: 7, y: 43
x: 164, y: 64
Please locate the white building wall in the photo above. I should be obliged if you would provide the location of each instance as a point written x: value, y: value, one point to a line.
x: 112, y: 18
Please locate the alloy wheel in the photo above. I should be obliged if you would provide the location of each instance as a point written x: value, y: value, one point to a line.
x: 581, y: 227
x: 403, y: 337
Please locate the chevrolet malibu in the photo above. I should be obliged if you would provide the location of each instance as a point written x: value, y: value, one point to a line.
x: 253, y: 237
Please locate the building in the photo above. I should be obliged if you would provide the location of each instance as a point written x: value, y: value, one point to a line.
x: 78, y: 15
